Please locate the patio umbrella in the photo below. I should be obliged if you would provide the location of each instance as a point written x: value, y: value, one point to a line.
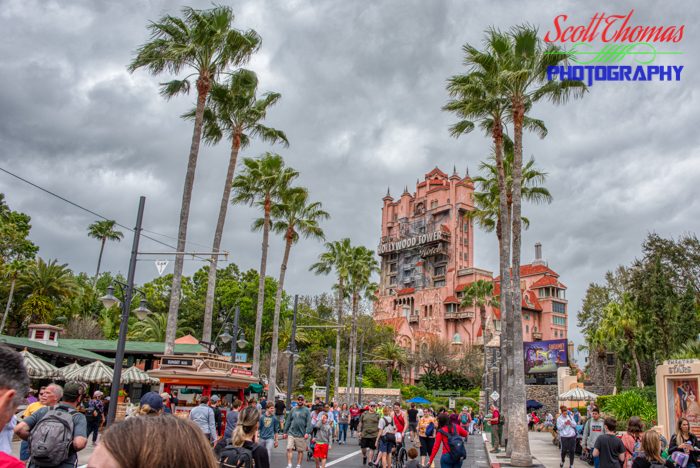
x: 37, y: 368
x: 533, y: 404
x: 419, y: 400
x: 578, y: 394
x: 135, y: 375
x: 67, y: 370
x: 97, y: 372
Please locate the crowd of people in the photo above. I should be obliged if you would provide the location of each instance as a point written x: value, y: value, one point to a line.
x: 59, y: 422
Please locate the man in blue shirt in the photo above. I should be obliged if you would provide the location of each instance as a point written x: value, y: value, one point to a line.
x: 268, y: 428
x: 203, y: 416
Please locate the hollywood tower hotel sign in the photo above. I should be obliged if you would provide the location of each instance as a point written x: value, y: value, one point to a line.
x: 427, y: 260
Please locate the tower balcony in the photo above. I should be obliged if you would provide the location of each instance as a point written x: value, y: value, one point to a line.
x: 460, y: 315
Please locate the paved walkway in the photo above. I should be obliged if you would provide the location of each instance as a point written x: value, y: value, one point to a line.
x: 546, y: 454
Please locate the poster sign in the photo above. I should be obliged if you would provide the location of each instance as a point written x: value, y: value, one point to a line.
x: 544, y: 356
x: 176, y: 362
x: 683, y: 402
x: 241, y: 357
x: 451, y: 403
x: 239, y: 371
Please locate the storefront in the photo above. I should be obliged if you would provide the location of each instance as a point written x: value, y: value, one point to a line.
x: 192, y: 375
x: 677, y: 384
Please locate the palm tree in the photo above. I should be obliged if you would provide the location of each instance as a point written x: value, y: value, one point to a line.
x: 295, y: 216
x: 363, y: 264
x: 45, y: 285
x: 153, y: 328
x: 235, y: 112
x: 478, y: 97
x: 103, y: 231
x: 204, y: 43
x: 524, y: 81
x: 395, y: 355
x: 11, y: 271
x: 262, y: 183
x: 337, y: 257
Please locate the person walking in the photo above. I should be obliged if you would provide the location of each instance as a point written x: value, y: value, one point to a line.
x: 14, y: 383
x: 94, y: 415
x: 427, y: 425
x: 450, y: 457
x: 232, y: 419
x: 685, y: 441
x: 343, y: 423
x: 566, y: 427
x: 269, y: 429
x: 632, y: 439
x: 203, y: 417
x: 412, y: 414
x: 495, y: 422
x: 297, y: 429
x: 280, y: 409
x: 322, y: 440
x: 608, y: 448
x: 386, y: 438
x: 592, y: 430
x: 142, y: 442
x: 48, y: 426
x: 369, y: 431
x: 354, y: 419
x: 244, y: 436
x: 214, y: 402
x: 651, y: 453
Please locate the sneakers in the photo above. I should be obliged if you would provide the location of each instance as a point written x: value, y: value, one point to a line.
x: 364, y: 460
x: 289, y: 466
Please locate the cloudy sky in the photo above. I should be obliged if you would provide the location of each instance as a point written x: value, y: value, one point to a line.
x: 362, y: 84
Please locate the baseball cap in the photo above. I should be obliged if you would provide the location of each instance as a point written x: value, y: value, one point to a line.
x: 97, y: 394
x: 152, y: 399
x: 300, y: 397
x: 214, y: 398
x: 72, y: 391
x: 165, y: 396
x: 371, y: 403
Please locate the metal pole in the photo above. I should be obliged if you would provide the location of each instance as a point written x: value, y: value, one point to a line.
x: 359, y: 396
x: 485, y: 379
x: 234, y: 338
x: 126, y: 309
x: 329, y: 361
x: 292, y: 349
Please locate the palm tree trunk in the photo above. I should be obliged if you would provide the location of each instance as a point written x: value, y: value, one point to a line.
x: 272, y: 379
x: 99, y: 260
x: 261, y: 289
x: 502, y: 345
x: 213, y: 262
x: 389, y: 375
x: 8, y: 304
x: 637, y: 367
x: 339, y: 305
x: 203, y: 86
x: 521, y: 455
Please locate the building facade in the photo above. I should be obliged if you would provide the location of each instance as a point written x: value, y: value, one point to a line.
x: 427, y: 260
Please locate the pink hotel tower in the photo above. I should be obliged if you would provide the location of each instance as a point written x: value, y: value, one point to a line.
x: 427, y: 259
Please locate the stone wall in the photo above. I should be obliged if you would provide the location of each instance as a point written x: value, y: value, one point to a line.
x: 601, y: 373
x: 545, y: 394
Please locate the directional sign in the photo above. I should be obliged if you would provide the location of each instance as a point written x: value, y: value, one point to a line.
x: 451, y: 403
x: 495, y: 396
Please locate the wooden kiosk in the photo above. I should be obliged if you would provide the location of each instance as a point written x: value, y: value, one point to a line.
x: 677, y: 385
x: 204, y: 374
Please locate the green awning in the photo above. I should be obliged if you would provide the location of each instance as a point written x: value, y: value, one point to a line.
x: 255, y: 388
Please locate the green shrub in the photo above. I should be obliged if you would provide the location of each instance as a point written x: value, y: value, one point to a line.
x: 630, y: 403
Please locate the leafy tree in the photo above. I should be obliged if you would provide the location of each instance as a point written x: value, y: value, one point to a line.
x: 336, y: 258
x: 104, y: 231
x: 293, y: 217
x: 480, y: 294
x: 395, y: 356
x: 152, y: 328
x: 44, y: 285
x: 235, y: 112
x: 204, y: 43
x: 262, y: 184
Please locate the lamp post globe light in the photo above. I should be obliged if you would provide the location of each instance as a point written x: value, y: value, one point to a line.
x: 292, y: 353
x: 235, y: 336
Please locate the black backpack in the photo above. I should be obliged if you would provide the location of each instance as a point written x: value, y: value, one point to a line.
x: 456, y: 444
x: 237, y: 457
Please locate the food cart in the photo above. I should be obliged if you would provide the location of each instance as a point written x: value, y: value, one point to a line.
x: 204, y: 374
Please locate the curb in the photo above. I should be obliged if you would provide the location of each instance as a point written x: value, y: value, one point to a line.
x: 487, y: 449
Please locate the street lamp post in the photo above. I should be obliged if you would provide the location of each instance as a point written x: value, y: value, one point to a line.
x: 237, y: 338
x: 291, y: 352
x: 359, y: 395
x: 328, y: 365
x: 485, y: 377
x: 126, y: 308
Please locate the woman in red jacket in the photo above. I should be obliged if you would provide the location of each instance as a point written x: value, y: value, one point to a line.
x: 444, y: 426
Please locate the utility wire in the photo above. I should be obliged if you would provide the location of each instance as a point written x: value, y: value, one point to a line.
x: 64, y: 199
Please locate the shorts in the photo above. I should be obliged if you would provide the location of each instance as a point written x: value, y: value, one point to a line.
x: 297, y: 444
x: 321, y: 451
x: 413, y: 427
x: 368, y: 443
x: 385, y: 446
x: 426, y: 446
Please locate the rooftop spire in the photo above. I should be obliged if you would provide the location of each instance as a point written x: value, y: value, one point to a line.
x: 388, y: 195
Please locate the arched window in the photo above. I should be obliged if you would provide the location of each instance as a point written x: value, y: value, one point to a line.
x: 456, y: 339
